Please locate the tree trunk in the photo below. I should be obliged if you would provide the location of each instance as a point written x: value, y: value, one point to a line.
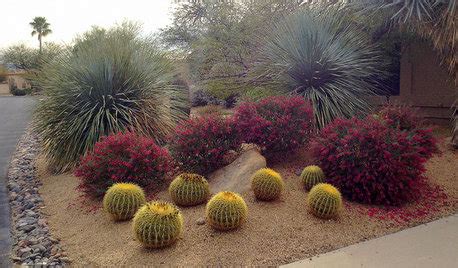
x: 39, y: 40
x: 455, y: 131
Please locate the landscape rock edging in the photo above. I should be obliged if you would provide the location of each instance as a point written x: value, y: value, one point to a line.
x: 31, y: 237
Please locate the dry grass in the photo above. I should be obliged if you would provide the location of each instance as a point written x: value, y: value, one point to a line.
x: 276, y: 233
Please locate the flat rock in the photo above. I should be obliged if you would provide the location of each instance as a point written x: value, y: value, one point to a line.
x: 236, y: 176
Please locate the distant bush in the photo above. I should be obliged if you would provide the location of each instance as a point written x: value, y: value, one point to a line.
x: 14, y: 90
x: 370, y: 162
x: 277, y: 124
x: 122, y: 157
x: 3, y: 74
x: 111, y: 81
x: 200, y: 144
x: 202, y: 98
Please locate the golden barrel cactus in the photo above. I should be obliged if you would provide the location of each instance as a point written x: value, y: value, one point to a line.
x: 189, y: 189
x: 311, y: 176
x: 158, y: 224
x: 122, y: 200
x: 324, y: 201
x: 267, y: 184
x: 226, y: 211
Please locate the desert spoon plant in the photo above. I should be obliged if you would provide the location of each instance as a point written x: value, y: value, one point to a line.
x: 111, y: 81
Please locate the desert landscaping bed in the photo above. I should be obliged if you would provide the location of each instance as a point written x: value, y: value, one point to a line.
x: 275, y: 233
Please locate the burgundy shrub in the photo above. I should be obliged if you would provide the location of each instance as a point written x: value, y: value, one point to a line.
x: 368, y: 161
x: 200, y: 144
x: 401, y: 117
x: 277, y: 124
x: 123, y: 157
x: 407, y: 119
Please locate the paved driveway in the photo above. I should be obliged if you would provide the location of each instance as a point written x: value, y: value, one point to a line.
x: 15, y: 113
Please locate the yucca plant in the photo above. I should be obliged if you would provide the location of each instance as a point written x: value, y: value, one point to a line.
x: 114, y: 82
x: 317, y: 54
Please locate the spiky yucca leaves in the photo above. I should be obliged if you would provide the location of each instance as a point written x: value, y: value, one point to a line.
x: 189, y: 189
x: 115, y: 82
x: 122, y: 200
x: 226, y: 211
x: 315, y: 53
x: 267, y: 184
x: 312, y: 175
x: 324, y: 201
x: 158, y: 224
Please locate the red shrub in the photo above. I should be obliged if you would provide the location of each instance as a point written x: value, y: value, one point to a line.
x: 122, y: 157
x: 401, y: 117
x: 276, y: 124
x: 407, y: 119
x: 368, y: 161
x: 200, y: 144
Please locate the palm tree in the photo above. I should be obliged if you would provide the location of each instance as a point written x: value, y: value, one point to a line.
x: 41, y: 28
x: 434, y: 20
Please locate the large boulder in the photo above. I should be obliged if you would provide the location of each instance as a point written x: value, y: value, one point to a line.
x: 236, y: 176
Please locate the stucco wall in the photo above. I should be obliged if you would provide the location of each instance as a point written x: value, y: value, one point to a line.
x: 425, y: 84
x: 19, y: 80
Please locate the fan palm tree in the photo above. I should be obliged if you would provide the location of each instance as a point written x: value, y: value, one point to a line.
x: 434, y: 20
x: 40, y: 28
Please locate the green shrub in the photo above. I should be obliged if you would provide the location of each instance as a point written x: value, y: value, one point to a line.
x: 3, y: 74
x: 226, y: 211
x: 116, y: 82
x: 158, y: 224
x: 267, y: 184
x: 122, y: 200
x: 14, y: 90
x: 189, y: 189
x: 324, y: 201
x: 312, y: 175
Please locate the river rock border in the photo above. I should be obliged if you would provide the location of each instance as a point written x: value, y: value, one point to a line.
x: 31, y: 237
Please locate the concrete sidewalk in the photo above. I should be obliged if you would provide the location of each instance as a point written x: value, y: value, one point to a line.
x: 432, y: 245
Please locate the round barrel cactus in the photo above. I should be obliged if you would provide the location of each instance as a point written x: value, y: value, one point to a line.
x: 122, y: 200
x: 324, y: 201
x: 189, y: 189
x: 267, y: 184
x: 158, y: 224
x: 226, y: 211
x: 311, y: 176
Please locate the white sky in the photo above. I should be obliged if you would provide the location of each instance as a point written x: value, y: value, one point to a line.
x: 71, y: 17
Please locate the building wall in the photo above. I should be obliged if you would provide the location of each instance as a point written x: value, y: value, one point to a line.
x: 18, y: 80
x: 425, y: 84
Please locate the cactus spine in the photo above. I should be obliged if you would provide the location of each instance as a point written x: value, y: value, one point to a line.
x: 267, y: 184
x: 312, y: 175
x: 189, y: 189
x: 122, y: 200
x: 226, y: 211
x: 324, y: 201
x: 158, y: 224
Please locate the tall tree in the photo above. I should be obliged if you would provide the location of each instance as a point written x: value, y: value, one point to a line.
x: 40, y: 28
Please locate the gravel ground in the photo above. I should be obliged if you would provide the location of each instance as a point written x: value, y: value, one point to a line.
x: 32, y: 241
x: 276, y: 233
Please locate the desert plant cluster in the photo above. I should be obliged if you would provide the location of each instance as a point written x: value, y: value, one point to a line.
x: 378, y: 159
x: 116, y: 112
x: 158, y: 224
